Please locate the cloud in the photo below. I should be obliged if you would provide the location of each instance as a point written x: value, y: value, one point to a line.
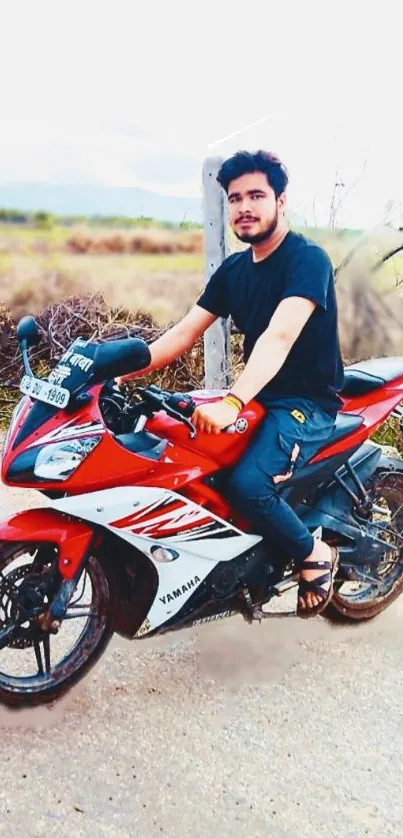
x: 93, y: 154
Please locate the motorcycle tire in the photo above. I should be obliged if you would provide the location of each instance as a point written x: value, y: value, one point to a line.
x: 386, y: 490
x: 17, y: 692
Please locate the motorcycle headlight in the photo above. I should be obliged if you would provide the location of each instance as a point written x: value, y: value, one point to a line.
x: 58, y: 460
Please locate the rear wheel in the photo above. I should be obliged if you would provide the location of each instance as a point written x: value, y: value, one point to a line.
x: 36, y: 666
x: 356, y: 601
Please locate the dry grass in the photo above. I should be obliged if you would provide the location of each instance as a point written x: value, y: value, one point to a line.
x: 139, y: 241
x: 82, y: 238
x: 162, y: 272
x: 130, y: 282
x: 43, y: 269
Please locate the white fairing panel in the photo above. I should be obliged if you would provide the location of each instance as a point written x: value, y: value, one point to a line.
x: 183, y: 540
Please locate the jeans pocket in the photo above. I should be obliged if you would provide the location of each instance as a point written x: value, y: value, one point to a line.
x: 290, y: 444
x: 300, y: 448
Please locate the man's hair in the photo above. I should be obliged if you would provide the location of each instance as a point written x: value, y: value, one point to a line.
x: 245, y: 162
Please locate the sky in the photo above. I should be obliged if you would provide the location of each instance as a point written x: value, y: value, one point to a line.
x: 141, y: 94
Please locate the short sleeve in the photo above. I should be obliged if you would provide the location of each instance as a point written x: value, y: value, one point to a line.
x: 214, y: 297
x: 310, y: 275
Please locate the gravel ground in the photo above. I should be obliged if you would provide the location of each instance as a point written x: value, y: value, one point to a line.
x: 286, y: 729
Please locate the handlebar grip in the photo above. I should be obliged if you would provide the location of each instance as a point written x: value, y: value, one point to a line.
x: 182, y: 403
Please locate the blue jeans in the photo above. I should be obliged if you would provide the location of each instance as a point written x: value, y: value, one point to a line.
x: 291, y: 433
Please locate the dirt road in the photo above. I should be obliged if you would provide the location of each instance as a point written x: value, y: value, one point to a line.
x: 287, y: 729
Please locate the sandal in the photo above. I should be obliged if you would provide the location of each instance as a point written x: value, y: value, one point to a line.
x: 315, y: 586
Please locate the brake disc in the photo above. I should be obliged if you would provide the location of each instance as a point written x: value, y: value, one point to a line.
x: 30, y: 593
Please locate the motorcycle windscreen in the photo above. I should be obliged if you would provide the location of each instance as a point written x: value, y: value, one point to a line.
x: 72, y: 372
x: 87, y: 361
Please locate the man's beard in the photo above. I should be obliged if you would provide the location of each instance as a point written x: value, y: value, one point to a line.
x: 259, y: 237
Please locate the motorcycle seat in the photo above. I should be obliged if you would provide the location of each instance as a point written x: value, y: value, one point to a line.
x: 366, y: 376
x: 345, y: 424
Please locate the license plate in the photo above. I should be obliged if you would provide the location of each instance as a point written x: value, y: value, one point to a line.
x: 44, y: 391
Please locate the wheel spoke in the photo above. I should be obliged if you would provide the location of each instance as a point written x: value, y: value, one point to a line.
x: 46, y: 650
x: 79, y: 611
x: 38, y: 654
x: 398, y: 510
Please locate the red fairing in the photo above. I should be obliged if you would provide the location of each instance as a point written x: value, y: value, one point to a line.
x: 185, y: 462
x: 374, y: 408
x: 111, y: 464
x: 224, y: 448
x: 47, y: 526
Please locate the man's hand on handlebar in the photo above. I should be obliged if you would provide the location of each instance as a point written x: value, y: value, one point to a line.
x: 214, y: 417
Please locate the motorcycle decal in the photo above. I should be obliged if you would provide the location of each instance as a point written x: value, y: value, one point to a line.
x: 213, y: 617
x: 76, y: 359
x: 147, y: 512
x: 180, y: 591
x: 213, y: 530
x: 136, y: 513
x: 241, y: 425
x: 176, y: 519
x: 59, y: 374
x: 196, y: 552
x: 144, y: 628
x: 68, y: 431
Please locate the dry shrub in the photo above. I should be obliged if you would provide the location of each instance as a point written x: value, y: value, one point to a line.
x: 138, y: 241
x: 370, y: 323
x: 370, y: 326
x: 90, y: 317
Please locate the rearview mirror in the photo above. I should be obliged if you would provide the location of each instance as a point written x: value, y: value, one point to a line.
x: 28, y: 332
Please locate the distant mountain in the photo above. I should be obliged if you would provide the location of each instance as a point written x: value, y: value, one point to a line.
x: 84, y: 199
x: 88, y: 199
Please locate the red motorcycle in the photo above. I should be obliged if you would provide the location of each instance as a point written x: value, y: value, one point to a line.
x: 138, y: 537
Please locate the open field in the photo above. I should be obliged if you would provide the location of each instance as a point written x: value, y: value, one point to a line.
x: 157, y: 270
x: 162, y: 273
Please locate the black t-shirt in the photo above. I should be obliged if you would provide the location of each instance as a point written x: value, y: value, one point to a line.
x: 250, y: 292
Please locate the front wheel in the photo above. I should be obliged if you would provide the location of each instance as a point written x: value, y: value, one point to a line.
x: 357, y: 601
x: 37, y: 667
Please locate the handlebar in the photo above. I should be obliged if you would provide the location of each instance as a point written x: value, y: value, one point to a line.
x: 178, y: 405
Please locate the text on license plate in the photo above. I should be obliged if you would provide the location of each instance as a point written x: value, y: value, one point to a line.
x: 44, y: 391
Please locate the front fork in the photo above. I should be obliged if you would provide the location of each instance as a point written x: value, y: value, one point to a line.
x: 74, y: 540
x: 51, y: 619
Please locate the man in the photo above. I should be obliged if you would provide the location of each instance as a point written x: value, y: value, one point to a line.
x: 280, y: 294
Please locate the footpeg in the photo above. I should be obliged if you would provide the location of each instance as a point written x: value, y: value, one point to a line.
x: 259, y: 614
x: 252, y: 612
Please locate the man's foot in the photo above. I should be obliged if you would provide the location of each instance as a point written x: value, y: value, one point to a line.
x: 316, y: 579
